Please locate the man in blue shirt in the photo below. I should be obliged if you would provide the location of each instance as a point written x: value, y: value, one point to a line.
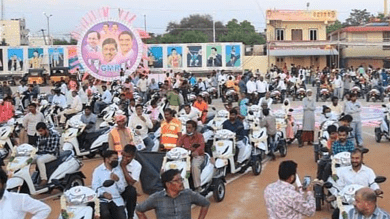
x: 343, y: 144
x: 236, y: 126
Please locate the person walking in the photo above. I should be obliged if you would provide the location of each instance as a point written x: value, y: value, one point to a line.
x: 282, y: 199
x: 174, y: 201
x: 308, y: 122
x: 353, y: 108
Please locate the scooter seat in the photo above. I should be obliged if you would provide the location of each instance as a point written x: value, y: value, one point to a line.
x: 205, y: 162
x: 96, y: 134
x: 68, y: 116
x: 53, y: 165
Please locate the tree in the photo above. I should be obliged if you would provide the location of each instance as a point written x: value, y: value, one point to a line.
x: 358, y: 17
x: 194, y: 36
x: 242, y: 32
x: 337, y: 25
x: 202, y: 23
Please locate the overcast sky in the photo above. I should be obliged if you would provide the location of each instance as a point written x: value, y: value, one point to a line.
x: 67, y: 13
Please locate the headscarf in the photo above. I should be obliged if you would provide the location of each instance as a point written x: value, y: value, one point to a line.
x: 120, y: 118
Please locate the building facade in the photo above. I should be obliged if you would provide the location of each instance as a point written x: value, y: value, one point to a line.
x: 364, y: 45
x: 14, y: 32
x: 299, y: 37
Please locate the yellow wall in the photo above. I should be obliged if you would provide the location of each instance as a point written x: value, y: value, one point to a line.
x: 305, y: 26
x: 256, y: 62
x: 365, y: 51
x: 304, y: 61
x: 365, y: 36
x: 356, y: 62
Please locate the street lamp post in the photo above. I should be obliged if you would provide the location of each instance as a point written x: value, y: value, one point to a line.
x: 48, y: 25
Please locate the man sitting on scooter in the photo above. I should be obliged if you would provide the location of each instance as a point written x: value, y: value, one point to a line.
x: 235, y: 125
x: 357, y: 173
x: 366, y: 206
x: 111, y: 201
x: 194, y: 142
x: 48, y: 148
x: 131, y: 171
x: 269, y: 122
x: 89, y: 119
x: 333, y: 136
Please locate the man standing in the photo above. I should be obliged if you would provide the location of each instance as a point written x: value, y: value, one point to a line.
x: 335, y: 107
x: 308, y: 118
x: 251, y: 88
x: 269, y: 122
x: 262, y: 87
x: 173, y: 99
x: 131, y: 171
x: 366, y: 207
x: 267, y: 100
x: 174, y: 201
x: 106, y: 100
x: 347, y: 84
x: 121, y: 135
x: 353, y: 108
x: 338, y: 87
x: 170, y: 130
x: 48, y: 149
x: 194, y: 142
x: 111, y: 201
x: 6, y: 90
x: 283, y: 200
x: 16, y: 205
x: 138, y: 119
x: 30, y: 122
x: 143, y: 88
x: 75, y: 107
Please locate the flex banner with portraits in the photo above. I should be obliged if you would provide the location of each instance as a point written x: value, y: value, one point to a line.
x: 192, y: 57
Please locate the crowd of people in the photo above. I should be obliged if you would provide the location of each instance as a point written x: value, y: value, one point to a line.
x: 137, y: 95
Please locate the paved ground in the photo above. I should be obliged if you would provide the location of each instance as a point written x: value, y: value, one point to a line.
x: 244, y: 192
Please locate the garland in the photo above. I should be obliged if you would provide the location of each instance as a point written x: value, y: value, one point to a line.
x: 20, y: 166
x: 341, y: 207
x: 334, y: 173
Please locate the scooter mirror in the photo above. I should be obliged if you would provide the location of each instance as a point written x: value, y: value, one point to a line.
x: 328, y: 185
x: 108, y: 183
x: 324, y: 149
x: 213, y: 108
x: 250, y: 113
x: 380, y: 179
x: 138, y: 127
x: 291, y: 110
x: 383, y: 105
x: 365, y: 150
x: 149, y: 112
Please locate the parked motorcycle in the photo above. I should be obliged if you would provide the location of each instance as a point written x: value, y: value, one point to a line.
x: 383, y: 129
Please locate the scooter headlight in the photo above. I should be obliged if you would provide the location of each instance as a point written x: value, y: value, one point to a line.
x: 75, y: 199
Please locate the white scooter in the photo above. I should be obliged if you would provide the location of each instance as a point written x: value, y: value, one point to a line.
x: 77, y: 202
x: 383, y: 129
x: 98, y: 140
x: 65, y: 169
x: 211, y: 179
x: 218, y: 120
x: 323, y: 137
x: 112, y: 107
x: 7, y: 143
x: 224, y: 153
x: 346, y: 196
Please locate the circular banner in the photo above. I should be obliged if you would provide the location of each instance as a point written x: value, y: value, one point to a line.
x: 109, y: 46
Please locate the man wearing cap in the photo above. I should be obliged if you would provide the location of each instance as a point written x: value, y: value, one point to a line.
x: 308, y: 118
x: 121, y: 135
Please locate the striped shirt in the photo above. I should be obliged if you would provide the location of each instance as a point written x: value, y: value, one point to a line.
x: 378, y: 214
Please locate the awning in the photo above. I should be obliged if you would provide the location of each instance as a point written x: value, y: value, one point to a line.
x: 303, y: 52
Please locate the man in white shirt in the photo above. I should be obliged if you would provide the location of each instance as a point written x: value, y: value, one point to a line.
x: 143, y: 88
x: 201, y: 85
x: 282, y: 87
x: 131, y: 171
x: 30, y: 122
x: 59, y: 99
x: 64, y: 88
x: 139, y: 119
x: 266, y: 100
x: 336, y: 107
x: 76, y: 107
x: 22, y: 87
x: 92, y: 88
x: 111, y: 201
x: 191, y: 112
x: 17, y: 205
x: 338, y: 87
x: 262, y: 87
x: 106, y: 100
x: 251, y: 88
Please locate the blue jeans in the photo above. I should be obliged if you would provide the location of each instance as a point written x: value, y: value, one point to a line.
x: 148, y: 143
x: 144, y: 97
x: 357, y: 131
x: 271, y: 142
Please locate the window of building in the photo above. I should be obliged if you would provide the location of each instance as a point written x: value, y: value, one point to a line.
x: 313, y: 34
x: 280, y: 61
x: 386, y: 39
x: 279, y: 34
x: 296, y: 34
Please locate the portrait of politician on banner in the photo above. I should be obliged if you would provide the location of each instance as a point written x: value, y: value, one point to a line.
x: 214, y: 57
x: 56, y: 57
x: 233, y: 56
x: 15, y: 60
x: 175, y: 57
x: 35, y: 58
x: 107, y: 47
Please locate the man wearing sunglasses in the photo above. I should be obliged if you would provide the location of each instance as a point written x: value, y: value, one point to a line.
x: 174, y: 202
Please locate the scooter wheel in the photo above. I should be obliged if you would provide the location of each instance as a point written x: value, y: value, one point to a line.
x: 219, y: 190
x: 283, y: 148
x: 74, y: 180
x: 378, y: 135
x: 256, y: 166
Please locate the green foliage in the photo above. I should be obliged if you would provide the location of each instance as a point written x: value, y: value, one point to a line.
x: 358, y: 17
x: 242, y: 32
x: 337, y: 25
x: 193, y: 36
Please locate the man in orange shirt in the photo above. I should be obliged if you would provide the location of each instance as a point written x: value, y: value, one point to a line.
x: 170, y: 130
x: 202, y: 106
x: 120, y: 135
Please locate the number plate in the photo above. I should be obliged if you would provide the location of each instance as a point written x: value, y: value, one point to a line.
x: 220, y: 144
